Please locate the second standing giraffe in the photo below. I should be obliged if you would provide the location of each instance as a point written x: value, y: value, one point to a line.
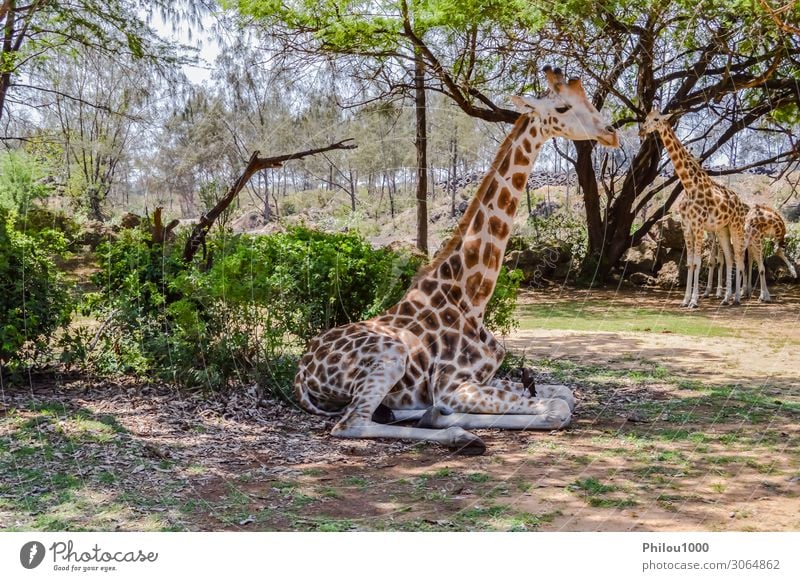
x: 707, y: 207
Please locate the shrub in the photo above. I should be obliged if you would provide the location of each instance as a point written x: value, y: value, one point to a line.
x: 500, y: 313
x: 34, y: 301
x: 247, y: 317
x: 21, y: 181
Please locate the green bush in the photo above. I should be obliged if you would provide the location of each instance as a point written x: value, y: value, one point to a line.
x: 21, y: 181
x: 500, y: 316
x: 246, y: 318
x: 34, y: 301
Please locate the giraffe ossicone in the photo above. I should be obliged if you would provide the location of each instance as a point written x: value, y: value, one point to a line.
x: 429, y: 357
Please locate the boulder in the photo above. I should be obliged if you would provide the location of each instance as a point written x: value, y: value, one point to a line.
x: 668, y: 233
x: 538, y: 264
x: 641, y: 258
x: 130, y: 220
x: 642, y: 279
x: 545, y: 209
x: 792, y: 212
x: 252, y: 220
x: 671, y: 275
x: 777, y: 271
x: 95, y: 232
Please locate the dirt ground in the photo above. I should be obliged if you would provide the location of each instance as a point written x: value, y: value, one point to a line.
x: 690, y: 422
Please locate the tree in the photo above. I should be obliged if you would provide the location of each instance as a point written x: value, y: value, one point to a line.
x: 95, y: 138
x: 387, y: 38
x: 728, y: 69
x: 36, y: 30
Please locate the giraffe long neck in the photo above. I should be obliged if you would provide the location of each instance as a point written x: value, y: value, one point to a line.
x: 470, y: 261
x: 687, y: 166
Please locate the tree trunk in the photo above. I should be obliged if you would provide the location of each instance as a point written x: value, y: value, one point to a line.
x: 421, y: 144
x: 591, y: 200
x: 451, y: 182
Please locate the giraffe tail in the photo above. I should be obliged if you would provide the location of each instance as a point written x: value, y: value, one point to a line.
x: 304, y: 398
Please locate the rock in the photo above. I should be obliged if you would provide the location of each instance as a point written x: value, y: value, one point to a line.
x: 400, y: 247
x: 642, y: 279
x: 545, y: 209
x: 94, y: 232
x: 792, y: 212
x: 666, y: 255
x: 668, y: 233
x: 248, y: 222
x: 462, y: 207
x: 777, y: 271
x: 671, y: 275
x: 539, y: 264
x: 640, y: 258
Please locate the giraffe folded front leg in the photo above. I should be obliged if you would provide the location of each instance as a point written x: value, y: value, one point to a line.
x: 485, y: 406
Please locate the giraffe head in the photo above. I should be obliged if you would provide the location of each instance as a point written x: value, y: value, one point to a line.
x: 653, y: 121
x: 567, y: 111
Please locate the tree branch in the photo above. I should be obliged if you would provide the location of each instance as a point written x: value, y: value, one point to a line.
x: 254, y: 165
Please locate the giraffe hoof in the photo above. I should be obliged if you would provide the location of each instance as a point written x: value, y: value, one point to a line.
x: 693, y: 305
x: 464, y: 443
x: 764, y: 300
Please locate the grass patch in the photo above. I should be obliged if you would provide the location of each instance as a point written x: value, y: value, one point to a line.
x: 601, y: 316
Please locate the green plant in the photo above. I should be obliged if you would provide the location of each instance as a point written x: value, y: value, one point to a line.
x: 500, y: 313
x: 21, y: 181
x: 34, y: 301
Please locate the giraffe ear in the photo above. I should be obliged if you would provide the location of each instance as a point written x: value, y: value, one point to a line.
x: 521, y: 104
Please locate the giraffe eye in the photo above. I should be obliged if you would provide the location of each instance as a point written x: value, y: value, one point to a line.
x: 563, y: 109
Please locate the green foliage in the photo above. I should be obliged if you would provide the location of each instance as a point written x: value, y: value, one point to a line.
x: 247, y: 317
x: 562, y: 229
x: 21, y: 181
x: 34, y: 301
x: 500, y: 313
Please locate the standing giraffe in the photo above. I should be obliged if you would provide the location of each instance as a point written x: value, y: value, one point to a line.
x: 764, y: 222
x: 429, y: 357
x: 707, y: 206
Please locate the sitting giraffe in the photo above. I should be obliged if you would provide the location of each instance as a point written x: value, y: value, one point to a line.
x: 429, y: 357
x: 707, y: 206
x: 764, y: 222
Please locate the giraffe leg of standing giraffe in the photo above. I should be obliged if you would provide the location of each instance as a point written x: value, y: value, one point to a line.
x: 697, y: 255
x: 384, y: 371
x: 712, y: 266
x: 725, y: 242
x: 763, y: 296
x: 737, y: 242
x: 688, y: 237
x: 749, y: 285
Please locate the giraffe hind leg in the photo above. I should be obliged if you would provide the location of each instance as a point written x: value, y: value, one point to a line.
x: 382, y: 373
